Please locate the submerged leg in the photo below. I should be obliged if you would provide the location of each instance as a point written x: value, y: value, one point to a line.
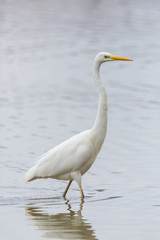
x: 65, y: 192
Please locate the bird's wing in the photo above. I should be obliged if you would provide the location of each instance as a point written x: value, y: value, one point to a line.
x: 67, y: 157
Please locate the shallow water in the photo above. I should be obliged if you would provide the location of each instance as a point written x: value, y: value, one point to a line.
x: 47, y: 95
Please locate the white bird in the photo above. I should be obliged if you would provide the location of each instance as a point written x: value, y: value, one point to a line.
x: 73, y: 157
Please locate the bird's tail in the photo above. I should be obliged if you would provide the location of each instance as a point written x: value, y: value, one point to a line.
x: 30, y: 174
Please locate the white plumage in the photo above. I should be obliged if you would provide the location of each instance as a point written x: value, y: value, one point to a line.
x: 79, y: 153
x: 72, y: 158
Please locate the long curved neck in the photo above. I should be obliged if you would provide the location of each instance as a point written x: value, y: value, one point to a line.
x: 100, y: 126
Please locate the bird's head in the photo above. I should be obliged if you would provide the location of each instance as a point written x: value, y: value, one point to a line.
x: 106, y: 57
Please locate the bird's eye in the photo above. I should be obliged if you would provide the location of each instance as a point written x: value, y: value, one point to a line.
x: 105, y: 56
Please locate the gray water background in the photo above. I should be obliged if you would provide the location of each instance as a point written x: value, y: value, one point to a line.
x: 47, y: 95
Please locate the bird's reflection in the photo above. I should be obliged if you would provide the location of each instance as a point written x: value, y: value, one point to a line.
x: 68, y: 225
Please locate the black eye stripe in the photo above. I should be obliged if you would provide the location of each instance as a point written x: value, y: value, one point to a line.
x: 106, y: 56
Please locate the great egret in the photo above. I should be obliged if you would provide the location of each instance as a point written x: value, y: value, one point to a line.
x: 72, y: 158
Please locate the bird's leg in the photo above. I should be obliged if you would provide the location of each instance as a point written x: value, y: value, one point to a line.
x: 65, y: 192
x: 82, y: 194
x: 78, y: 178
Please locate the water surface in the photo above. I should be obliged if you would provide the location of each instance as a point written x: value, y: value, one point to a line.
x: 47, y: 95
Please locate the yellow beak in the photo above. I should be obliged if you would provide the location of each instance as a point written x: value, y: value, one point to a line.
x: 120, y: 58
